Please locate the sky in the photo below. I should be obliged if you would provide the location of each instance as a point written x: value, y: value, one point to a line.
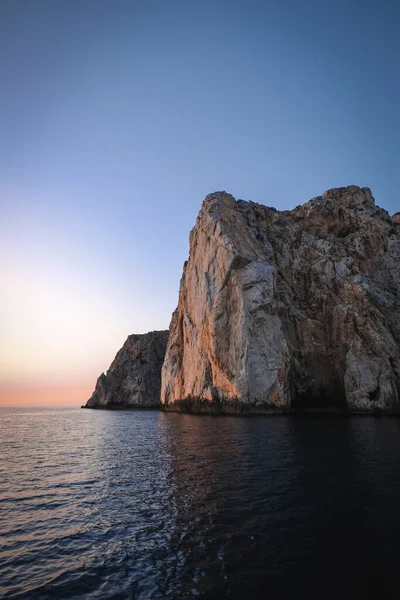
x: 117, y: 117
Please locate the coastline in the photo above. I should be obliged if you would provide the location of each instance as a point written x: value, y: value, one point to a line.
x: 250, y: 411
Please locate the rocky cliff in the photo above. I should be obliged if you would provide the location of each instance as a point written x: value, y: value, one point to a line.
x: 293, y: 310
x: 134, y: 377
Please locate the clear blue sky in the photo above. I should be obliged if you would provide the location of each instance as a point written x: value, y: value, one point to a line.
x: 118, y: 117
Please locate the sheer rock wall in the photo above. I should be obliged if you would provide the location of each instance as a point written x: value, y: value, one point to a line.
x: 292, y: 310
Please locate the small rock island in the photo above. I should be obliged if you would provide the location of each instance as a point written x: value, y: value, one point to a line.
x: 279, y: 312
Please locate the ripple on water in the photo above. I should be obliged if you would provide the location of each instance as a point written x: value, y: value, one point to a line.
x: 97, y: 504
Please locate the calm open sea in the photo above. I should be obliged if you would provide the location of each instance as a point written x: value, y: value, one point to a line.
x: 136, y: 505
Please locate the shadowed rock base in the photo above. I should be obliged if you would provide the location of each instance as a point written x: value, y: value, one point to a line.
x: 200, y: 406
x: 115, y: 406
x: 223, y: 407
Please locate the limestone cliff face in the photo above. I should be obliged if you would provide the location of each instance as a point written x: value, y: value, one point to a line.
x: 134, y: 377
x: 281, y: 311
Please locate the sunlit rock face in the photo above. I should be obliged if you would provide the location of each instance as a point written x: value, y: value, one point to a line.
x: 284, y: 311
x: 134, y: 377
x: 396, y: 218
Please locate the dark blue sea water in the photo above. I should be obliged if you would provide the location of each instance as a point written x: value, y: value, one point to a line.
x: 137, y: 505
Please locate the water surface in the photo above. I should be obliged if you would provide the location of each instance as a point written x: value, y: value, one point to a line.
x: 140, y: 505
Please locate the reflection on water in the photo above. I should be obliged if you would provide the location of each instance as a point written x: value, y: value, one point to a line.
x: 124, y: 505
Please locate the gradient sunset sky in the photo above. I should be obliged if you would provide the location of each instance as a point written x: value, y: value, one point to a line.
x: 118, y: 117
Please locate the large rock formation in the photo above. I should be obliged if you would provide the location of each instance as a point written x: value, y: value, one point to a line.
x: 134, y: 377
x: 291, y: 310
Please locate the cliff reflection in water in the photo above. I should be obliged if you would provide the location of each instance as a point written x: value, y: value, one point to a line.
x: 284, y: 505
x: 218, y: 496
x: 123, y: 505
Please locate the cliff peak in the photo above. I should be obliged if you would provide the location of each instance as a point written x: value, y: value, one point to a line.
x: 350, y: 191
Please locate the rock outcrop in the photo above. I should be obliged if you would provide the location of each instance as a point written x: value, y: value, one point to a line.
x: 283, y: 311
x: 396, y: 218
x: 134, y: 377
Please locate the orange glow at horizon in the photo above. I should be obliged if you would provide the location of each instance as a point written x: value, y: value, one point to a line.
x: 67, y: 394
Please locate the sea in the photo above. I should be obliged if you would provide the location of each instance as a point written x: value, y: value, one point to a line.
x: 135, y: 505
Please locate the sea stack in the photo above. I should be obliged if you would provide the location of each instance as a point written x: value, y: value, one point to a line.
x: 286, y: 311
x: 134, y: 377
